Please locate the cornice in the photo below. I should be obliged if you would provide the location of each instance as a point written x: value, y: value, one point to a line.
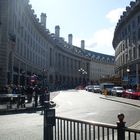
x: 59, y: 42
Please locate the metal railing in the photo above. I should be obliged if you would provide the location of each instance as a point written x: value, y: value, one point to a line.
x: 71, y: 129
x: 60, y: 128
x: 132, y: 134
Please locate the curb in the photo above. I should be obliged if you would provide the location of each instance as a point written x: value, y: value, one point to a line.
x: 121, y: 102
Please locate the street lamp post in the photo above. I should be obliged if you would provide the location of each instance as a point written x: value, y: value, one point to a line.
x: 23, y: 78
x: 128, y: 71
x: 82, y: 73
x: 12, y: 45
x: 44, y: 72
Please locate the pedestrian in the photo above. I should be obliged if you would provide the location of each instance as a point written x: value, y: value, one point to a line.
x: 105, y: 92
x: 29, y: 92
x: 42, y: 98
x: 9, y: 89
x: 36, y: 91
x: 47, y: 94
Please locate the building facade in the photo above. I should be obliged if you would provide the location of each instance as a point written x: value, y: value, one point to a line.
x: 30, y: 54
x: 101, y: 67
x: 126, y: 43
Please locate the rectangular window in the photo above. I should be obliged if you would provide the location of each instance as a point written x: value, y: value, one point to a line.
x: 126, y: 58
x: 133, y: 24
x: 129, y: 28
x: 50, y: 56
x: 134, y: 53
x: 139, y: 50
x: 139, y: 19
x: 25, y: 51
x: 134, y: 37
x: 130, y: 54
x: 139, y: 34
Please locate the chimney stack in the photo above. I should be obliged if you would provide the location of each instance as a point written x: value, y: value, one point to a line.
x: 70, y: 39
x: 83, y: 44
x: 57, y: 31
x: 43, y: 19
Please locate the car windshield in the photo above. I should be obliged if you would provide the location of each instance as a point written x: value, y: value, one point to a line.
x: 119, y: 88
x: 90, y: 86
x: 96, y: 86
x: 108, y: 86
x: 130, y: 90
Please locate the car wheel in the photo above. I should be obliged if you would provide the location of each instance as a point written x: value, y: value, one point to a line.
x: 123, y: 96
x: 130, y: 97
x: 127, y: 96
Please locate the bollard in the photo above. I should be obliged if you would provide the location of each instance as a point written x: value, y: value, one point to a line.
x: 121, y: 127
x: 46, y: 107
x: 49, y: 120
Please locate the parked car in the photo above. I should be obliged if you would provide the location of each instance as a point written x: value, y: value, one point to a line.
x: 132, y: 94
x: 127, y: 93
x: 89, y: 88
x: 96, y: 89
x: 117, y: 91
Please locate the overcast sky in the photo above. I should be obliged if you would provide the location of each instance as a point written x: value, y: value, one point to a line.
x: 91, y: 20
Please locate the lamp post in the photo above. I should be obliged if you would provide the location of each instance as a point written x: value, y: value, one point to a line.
x: 23, y: 78
x: 85, y: 73
x: 128, y: 71
x: 44, y: 72
x: 82, y: 73
x: 12, y: 45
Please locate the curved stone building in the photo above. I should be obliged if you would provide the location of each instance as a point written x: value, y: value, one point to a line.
x: 30, y: 54
x: 126, y: 43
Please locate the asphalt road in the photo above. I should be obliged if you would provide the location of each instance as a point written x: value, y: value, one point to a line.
x: 89, y: 106
x: 70, y: 104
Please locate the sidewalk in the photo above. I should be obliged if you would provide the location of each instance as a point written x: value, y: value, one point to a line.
x: 14, y: 110
x: 29, y: 107
x: 131, y: 102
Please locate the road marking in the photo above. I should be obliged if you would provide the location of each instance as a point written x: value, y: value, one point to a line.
x: 136, y: 125
x: 90, y: 113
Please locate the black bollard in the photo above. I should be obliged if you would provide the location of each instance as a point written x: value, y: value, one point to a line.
x: 49, y: 120
x: 121, y: 127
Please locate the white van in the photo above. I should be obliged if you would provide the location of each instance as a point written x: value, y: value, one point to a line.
x: 107, y: 86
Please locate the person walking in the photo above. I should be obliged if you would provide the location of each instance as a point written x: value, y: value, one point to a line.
x: 35, y: 95
x: 105, y: 92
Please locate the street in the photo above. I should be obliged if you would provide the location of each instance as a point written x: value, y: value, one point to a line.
x: 90, y: 106
x: 71, y: 104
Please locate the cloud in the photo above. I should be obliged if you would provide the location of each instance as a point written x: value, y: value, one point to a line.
x: 101, y: 40
x: 114, y: 15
